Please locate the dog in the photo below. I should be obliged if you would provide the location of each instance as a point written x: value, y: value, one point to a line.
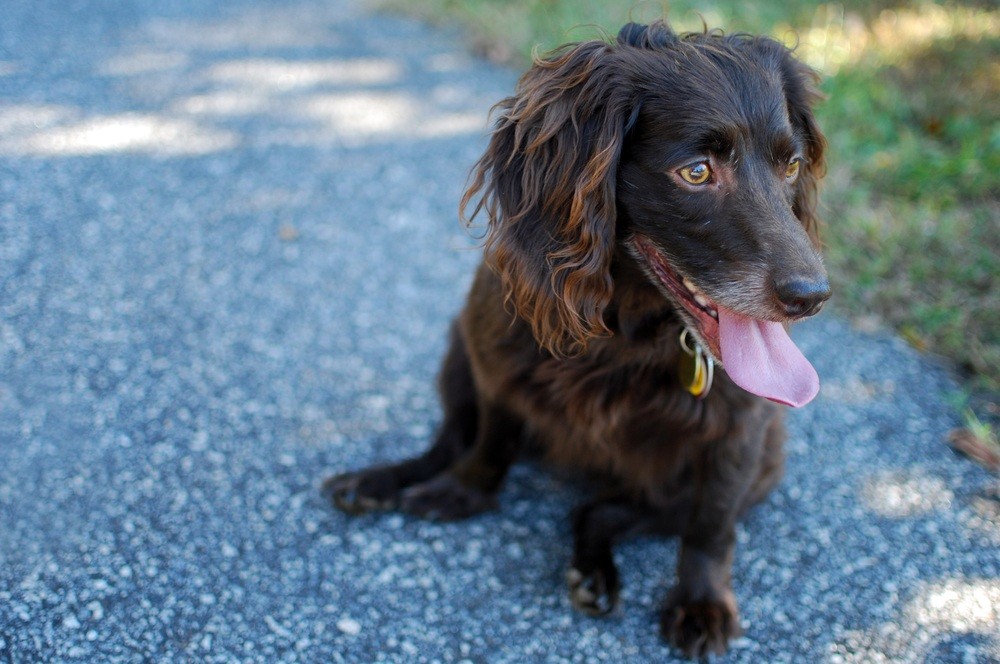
x: 652, y: 232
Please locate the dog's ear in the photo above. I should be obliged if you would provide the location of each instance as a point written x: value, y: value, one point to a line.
x: 547, y: 183
x: 803, y: 94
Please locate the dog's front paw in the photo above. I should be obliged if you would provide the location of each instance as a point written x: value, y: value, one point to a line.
x: 363, y: 491
x: 595, y: 592
x: 445, y: 498
x: 699, y: 628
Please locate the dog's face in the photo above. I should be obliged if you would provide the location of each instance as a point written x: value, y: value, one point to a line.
x: 696, y: 154
x: 709, y: 182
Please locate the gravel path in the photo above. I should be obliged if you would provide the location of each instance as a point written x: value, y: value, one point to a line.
x: 228, y: 257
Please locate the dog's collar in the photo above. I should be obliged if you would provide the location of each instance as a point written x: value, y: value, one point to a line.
x: 696, y: 367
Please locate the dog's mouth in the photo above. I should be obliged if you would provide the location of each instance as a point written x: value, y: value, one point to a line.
x: 758, y: 355
x: 702, y: 314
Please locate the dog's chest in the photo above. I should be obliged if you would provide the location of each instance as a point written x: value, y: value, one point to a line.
x: 599, y: 412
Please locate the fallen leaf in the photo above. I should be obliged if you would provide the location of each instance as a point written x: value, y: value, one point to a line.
x: 968, y: 443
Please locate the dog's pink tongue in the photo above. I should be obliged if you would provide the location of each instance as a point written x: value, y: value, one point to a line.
x: 760, y: 357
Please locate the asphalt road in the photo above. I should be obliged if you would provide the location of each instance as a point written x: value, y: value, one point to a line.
x: 229, y: 253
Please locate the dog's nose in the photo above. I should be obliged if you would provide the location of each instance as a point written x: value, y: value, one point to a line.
x: 802, y: 297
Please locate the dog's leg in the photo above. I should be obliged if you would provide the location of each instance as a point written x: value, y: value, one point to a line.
x: 470, y: 485
x: 592, y: 576
x: 700, y: 614
x: 380, y: 487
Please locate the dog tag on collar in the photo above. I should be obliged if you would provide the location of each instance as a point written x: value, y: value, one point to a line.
x: 696, y: 368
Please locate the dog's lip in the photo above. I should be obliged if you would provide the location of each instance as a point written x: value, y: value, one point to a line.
x: 761, y: 357
x: 700, y: 309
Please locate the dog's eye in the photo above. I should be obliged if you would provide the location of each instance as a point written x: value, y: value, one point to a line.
x: 696, y: 173
x: 793, y: 169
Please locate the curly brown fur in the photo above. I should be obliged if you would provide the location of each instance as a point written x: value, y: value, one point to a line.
x: 569, y: 342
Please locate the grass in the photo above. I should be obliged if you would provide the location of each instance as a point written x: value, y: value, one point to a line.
x: 912, y: 199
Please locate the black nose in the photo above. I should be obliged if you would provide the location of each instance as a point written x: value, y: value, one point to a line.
x: 802, y: 297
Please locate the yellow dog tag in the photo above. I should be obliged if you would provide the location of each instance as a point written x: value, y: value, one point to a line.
x: 696, y: 368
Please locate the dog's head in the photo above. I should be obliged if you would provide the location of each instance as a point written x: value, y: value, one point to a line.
x: 696, y: 154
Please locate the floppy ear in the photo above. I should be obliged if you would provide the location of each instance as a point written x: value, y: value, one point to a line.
x: 547, y: 183
x: 802, y: 95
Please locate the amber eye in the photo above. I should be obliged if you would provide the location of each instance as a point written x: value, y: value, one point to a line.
x: 696, y: 173
x: 793, y: 168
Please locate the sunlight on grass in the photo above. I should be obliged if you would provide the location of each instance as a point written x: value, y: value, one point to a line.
x: 838, y: 38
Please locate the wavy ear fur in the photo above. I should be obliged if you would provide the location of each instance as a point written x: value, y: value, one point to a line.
x: 802, y: 94
x: 547, y: 183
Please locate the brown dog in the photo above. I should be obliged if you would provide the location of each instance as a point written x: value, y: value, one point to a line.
x: 651, y: 210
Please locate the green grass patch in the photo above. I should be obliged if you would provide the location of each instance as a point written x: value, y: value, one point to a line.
x: 912, y: 200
